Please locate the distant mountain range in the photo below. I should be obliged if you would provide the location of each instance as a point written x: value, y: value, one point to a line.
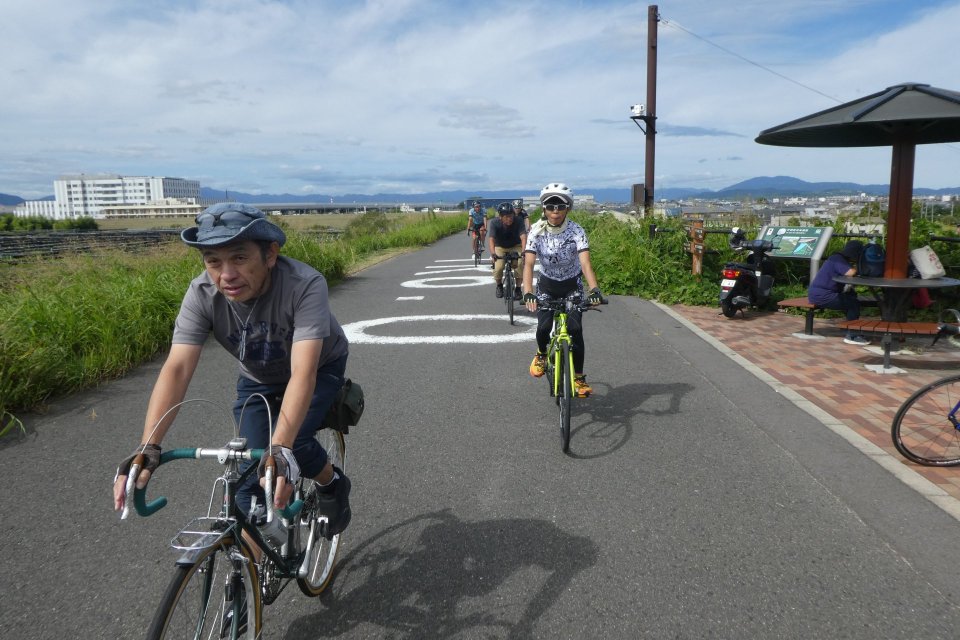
x: 764, y: 187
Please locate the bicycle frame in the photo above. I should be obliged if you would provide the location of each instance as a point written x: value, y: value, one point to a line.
x: 558, y: 338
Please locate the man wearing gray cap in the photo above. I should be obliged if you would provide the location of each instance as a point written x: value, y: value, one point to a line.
x: 272, y: 314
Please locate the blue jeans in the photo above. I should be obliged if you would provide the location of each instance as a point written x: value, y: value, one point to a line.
x: 310, y: 455
x: 844, y: 301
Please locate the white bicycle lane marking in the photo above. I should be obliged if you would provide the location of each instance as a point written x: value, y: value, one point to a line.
x: 360, y: 332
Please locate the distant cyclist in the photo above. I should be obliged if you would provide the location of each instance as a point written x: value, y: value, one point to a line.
x: 561, y: 247
x: 522, y: 214
x: 477, y: 223
x: 506, y: 235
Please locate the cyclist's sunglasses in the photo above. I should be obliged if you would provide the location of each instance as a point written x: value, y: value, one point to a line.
x: 231, y: 218
x: 556, y: 207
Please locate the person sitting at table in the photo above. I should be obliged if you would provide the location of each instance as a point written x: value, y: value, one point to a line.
x: 826, y: 293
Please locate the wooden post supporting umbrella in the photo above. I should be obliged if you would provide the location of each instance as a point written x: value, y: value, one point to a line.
x: 901, y: 116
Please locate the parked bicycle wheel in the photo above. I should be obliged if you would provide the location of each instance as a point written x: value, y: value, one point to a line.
x: 202, y: 601
x: 322, y: 552
x: 925, y: 429
x: 563, y: 397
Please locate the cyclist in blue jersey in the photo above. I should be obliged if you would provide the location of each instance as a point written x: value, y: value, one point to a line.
x: 562, y: 249
x: 477, y: 223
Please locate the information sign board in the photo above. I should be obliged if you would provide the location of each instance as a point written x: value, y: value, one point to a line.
x: 798, y: 242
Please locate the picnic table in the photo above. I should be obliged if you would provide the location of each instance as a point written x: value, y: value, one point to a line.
x: 893, y: 297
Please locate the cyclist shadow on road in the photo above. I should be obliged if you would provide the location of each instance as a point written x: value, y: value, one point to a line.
x: 436, y: 576
x: 611, y: 410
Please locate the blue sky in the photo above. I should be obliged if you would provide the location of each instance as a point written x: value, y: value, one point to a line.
x: 408, y: 96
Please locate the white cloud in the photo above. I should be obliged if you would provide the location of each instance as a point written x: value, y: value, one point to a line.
x: 416, y: 95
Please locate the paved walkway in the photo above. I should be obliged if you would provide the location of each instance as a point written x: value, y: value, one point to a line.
x: 831, y: 376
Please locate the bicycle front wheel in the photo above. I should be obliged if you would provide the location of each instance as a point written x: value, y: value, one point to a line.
x: 508, y: 287
x: 204, y: 599
x: 564, y: 398
x: 322, y: 552
x: 925, y: 429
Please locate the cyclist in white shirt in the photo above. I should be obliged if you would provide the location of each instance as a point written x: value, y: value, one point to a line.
x: 561, y: 247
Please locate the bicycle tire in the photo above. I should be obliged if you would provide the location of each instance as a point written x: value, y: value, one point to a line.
x: 185, y: 610
x: 508, y: 287
x: 922, y: 431
x: 476, y: 250
x: 323, y: 555
x: 564, y: 398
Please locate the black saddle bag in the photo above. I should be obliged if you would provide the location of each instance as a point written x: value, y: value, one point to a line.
x: 346, y: 409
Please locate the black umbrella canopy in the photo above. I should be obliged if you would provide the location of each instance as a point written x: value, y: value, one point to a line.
x: 912, y: 112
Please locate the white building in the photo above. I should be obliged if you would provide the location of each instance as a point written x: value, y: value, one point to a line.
x: 37, y: 209
x: 86, y: 195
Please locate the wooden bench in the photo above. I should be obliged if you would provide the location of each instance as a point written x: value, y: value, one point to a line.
x: 811, y: 309
x: 889, y: 329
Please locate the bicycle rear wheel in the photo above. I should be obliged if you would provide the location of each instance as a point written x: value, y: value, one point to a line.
x: 564, y: 398
x: 323, y: 553
x: 924, y: 430
x: 203, y: 594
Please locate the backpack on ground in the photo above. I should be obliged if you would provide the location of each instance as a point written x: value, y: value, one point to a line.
x: 871, y: 261
x: 346, y: 409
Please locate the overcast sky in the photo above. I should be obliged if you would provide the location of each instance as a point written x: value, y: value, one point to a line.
x: 408, y: 96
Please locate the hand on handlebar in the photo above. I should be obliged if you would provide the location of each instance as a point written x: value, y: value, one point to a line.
x: 595, y: 297
x: 530, y: 301
x: 134, y: 471
x: 282, y: 468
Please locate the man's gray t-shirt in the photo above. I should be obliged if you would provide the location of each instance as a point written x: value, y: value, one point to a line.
x: 294, y: 308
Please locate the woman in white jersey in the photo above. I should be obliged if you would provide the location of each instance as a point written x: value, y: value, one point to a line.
x: 561, y: 248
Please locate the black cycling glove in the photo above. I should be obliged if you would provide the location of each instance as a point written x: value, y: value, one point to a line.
x: 529, y: 297
x: 595, y: 296
x: 151, y: 460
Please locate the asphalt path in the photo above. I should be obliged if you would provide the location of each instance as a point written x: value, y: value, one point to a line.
x: 695, y: 501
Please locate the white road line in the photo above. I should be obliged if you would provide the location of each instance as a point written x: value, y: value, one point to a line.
x: 442, y: 283
x: 410, y: 298
x: 356, y: 331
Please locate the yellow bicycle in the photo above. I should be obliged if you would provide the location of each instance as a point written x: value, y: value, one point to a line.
x: 560, y: 358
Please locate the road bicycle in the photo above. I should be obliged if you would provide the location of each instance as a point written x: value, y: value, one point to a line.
x: 509, y: 282
x: 926, y: 428
x: 230, y: 565
x: 477, y: 248
x: 559, y: 367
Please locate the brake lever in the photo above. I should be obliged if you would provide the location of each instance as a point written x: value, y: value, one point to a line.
x: 131, y: 484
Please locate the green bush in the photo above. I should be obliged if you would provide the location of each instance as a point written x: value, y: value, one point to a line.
x: 68, y: 324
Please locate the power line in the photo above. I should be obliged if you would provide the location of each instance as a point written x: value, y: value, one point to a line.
x: 747, y: 60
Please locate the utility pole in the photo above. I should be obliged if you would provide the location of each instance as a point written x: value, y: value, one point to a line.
x: 648, y: 113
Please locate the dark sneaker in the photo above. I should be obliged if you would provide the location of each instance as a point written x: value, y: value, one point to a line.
x: 856, y: 340
x: 517, y: 294
x: 228, y: 616
x: 581, y: 387
x: 333, y: 501
x: 539, y: 365
x: 499, y: 290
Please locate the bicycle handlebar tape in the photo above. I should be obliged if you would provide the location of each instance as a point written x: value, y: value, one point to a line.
x: 140, y: 495
x: 291, y: 510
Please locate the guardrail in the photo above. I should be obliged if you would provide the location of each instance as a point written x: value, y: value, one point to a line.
x: 17, y: 246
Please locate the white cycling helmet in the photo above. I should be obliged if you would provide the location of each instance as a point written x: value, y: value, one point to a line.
x: 559, y: 190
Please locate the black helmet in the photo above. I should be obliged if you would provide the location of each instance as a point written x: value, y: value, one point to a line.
x: 505, y: 209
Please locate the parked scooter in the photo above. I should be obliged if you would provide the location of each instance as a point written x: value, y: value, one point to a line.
x: 748, y: 283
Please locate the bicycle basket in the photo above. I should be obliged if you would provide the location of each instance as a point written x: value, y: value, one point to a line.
x: 346, y: 409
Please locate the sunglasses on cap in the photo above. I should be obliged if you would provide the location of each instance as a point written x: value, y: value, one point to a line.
x: 563, y: 206
x: 229, y: 218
